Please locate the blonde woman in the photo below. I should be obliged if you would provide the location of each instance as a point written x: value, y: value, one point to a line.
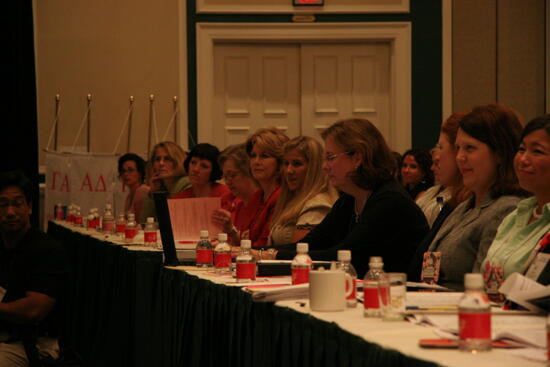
x: 167, y: 174
x: 306, y: 195
x: 265, y: 149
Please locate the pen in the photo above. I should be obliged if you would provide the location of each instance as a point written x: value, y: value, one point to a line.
x: 432, y: 308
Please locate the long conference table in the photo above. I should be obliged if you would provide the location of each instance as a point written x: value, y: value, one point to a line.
x: 124, y: 308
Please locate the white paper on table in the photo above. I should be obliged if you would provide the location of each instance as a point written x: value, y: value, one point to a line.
x: 520, y: 289
x: 280, y: 293
x: 427, y: 286
x: 192, y: 215
x: 426, y: 299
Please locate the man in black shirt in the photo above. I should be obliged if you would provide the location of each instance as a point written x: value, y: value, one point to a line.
x: 33, y: 270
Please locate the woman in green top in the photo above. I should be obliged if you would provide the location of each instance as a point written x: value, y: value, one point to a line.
x: 167, y: 174
x: 520, y: 234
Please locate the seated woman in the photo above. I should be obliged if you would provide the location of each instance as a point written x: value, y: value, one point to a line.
x: 131, y: 169
x: 431, y: 201
x: 520, y: 234
x: 167, y: 174
x: 374, y: 216
x: 265, y: 148
x: 486, y: 141
x: 237, y: 211
x: 203, y: 169
x: 416, y: 175
x: 449, y: 177
x: 306, y: 195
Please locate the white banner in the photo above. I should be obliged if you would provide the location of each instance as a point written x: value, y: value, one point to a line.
x: 87, y: 180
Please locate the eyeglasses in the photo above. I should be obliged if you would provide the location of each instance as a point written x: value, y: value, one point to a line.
x: 330, y: 157
x: 230, y: 176
x: 128, y: 170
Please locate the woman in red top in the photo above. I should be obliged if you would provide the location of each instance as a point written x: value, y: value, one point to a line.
x: 265, y: 149
x: 237, y: 211
x: 202, y: 167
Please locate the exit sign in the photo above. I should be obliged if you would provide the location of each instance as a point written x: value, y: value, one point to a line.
x: 308, y: 2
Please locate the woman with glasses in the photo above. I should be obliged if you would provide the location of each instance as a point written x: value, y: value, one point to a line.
x: 306, y: 195
x: 167, y: 174
x: 237, y: 210
x: 131, y: 170
x: 374, y: 216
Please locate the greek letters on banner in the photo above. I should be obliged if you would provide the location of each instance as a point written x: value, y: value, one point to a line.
x: 87, y: 180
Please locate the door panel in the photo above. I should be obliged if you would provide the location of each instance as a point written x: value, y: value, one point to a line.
x: 299, y: 88
x: 344, y: 80
x: 256, y: 85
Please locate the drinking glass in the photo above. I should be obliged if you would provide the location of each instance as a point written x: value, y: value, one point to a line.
x: 395, y: 308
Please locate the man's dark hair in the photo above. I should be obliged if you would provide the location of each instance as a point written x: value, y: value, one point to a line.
x: 18, y: 179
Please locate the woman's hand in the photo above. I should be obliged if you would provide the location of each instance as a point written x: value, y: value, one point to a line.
x: 155, y: 182
x: 223, y: 218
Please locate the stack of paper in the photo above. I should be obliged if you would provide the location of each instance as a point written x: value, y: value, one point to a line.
x: 273, y: 294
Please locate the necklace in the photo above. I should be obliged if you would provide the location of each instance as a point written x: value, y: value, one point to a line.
x: 535, y: 214
x: 357, y: 211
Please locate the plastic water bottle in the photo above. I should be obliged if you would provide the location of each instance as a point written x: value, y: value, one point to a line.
x: 246, y: 264
x: 90, y: 223
x: 70, y: 213
x: 59, y: 214
x: 108, y: 221
x: 301, y: 264
x: 344, y: 263
x: 131, y: 228
x: 222, y: 254
x: 121, y: 226
x: 205, y: 255
x: 150, y: 232
x: 371, y: 288
x: 78, y: 219
x: 474, y: 316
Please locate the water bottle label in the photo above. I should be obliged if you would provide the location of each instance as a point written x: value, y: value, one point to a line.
x: 130, y: 233
x: 204, y: 256
x: 353, y: 294
x: 246, y: 271
x: 120, y: 228
x: 371, y: 298
x: 150, y: 236
x: 474, y: 325
x: 222, y: 260
x: 300, y: 276
x: 107, y: 226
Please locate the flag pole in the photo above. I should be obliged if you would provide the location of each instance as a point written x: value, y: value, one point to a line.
x: 88, y: 122
x: 57, y: 101
x: 151, y: 102
x: 175, y: 109
x: 130, y: 123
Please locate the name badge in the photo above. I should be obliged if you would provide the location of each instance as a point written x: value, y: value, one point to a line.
x: 537, y: 266
x: 430, y: 267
